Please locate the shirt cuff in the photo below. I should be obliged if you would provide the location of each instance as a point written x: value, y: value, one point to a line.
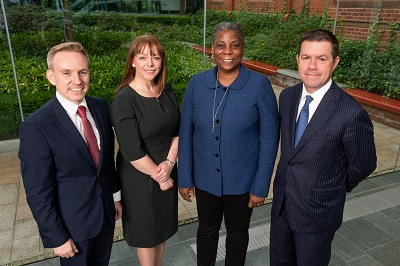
x: 117, y: 196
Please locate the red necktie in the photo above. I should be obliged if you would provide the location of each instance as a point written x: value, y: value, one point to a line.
x: 89, y: 134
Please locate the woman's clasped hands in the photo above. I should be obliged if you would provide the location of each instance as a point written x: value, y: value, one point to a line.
x: 162, y: 176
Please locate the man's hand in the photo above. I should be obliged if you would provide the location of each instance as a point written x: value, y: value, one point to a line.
x: 118, y: 210
x: 187, y: 193
x: 67, y: 250
x: 255, y: 201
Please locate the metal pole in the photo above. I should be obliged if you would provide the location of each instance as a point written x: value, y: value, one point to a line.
x: 397, y: 158
x: 337, y: 10
x: 12, y: 60
x: 204, y: 34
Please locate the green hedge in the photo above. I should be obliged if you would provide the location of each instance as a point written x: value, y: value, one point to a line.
x: 107, y: 35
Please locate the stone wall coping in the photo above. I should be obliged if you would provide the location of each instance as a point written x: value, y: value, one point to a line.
x: 372, y: 99
x: 290, y: 73
x: 260, y: 67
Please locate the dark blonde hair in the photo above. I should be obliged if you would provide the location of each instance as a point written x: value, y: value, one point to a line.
x: 137, y: 46
x: 68, y: 47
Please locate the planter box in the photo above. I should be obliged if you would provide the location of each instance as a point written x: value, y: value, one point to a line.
x: 385, y: 111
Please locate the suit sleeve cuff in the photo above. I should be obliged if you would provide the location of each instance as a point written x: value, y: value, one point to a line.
x: 117, y: 196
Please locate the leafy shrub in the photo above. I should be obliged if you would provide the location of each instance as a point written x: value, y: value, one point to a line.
x: 178, y: 33
x: 107, y: 52
x: 26, y: 17
x: 105, y: 74
x: 350, y: 56
x: 9, y: 116
x: 35, y: 44
x: 255, y: 23
x: 279, y: 49
x: 99, y: 43
x: 364, y: 65
x: 89, y: 19
x: 107, y: 36
x: 183, y: 62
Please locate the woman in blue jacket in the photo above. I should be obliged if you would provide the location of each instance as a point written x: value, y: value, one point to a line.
x: 229, y: 136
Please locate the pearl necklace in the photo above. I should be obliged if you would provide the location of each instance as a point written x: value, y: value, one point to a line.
x: 214, y: 113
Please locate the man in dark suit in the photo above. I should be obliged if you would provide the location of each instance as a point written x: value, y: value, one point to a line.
x: 327, y: 149
x: 67, y: 164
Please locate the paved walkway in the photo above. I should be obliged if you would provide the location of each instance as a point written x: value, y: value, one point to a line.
x: 369, y: 235
x: 372, y: 218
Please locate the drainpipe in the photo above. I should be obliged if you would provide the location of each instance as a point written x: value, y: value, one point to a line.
x: 230, y: 8
x: 336, y: 15
x: 289, y: 4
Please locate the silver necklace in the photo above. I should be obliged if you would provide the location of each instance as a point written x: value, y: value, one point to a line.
x: 214, y: 113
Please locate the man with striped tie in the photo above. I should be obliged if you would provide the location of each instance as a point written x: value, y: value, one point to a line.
x: 327, y: 149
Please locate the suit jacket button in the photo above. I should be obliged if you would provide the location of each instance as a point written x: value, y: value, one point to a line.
x: 218, y: 170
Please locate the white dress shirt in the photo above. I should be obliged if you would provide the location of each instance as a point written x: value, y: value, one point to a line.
x: 317, y: 98
x: 72, y: 109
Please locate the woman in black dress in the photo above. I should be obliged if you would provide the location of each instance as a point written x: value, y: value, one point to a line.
x: 146, y: 121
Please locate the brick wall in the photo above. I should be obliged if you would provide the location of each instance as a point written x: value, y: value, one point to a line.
x: 383, y: 116
x: 357, y: 15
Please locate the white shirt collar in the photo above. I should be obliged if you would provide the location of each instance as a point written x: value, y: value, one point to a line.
x: 318, y: 94
x: 317, y: 98
x: 69, y: 106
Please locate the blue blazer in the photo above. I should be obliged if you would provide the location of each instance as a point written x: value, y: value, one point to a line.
x: 335, y: 153
x: 64, y: 189
x: 239, y: 155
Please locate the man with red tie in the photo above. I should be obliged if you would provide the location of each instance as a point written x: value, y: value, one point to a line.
x: 67, y: 164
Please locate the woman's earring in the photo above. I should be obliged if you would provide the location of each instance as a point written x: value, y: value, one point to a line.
x: 212, y: 56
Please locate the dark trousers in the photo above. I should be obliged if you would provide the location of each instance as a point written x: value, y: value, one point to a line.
x: 95, y: 251
x: 211, y: 209
x: 297, y: 249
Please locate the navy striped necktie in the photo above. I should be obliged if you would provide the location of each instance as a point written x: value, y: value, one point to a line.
x: 302, y: 121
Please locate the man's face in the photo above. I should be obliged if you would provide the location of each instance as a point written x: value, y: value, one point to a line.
x: 316, y: 64
x: 70, y: 75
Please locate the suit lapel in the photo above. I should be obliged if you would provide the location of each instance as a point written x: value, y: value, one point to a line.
x: 325, y: 109
x: 63, y: 121
x: 294, y: 104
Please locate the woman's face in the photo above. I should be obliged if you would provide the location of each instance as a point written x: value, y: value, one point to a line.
x: 228, y: 50
x: 147, y: 63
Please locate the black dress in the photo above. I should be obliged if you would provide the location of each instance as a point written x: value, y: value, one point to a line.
x: 145, y: 126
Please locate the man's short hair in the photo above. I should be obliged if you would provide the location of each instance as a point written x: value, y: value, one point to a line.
x: 320, y: 35
x: 67, y: 46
